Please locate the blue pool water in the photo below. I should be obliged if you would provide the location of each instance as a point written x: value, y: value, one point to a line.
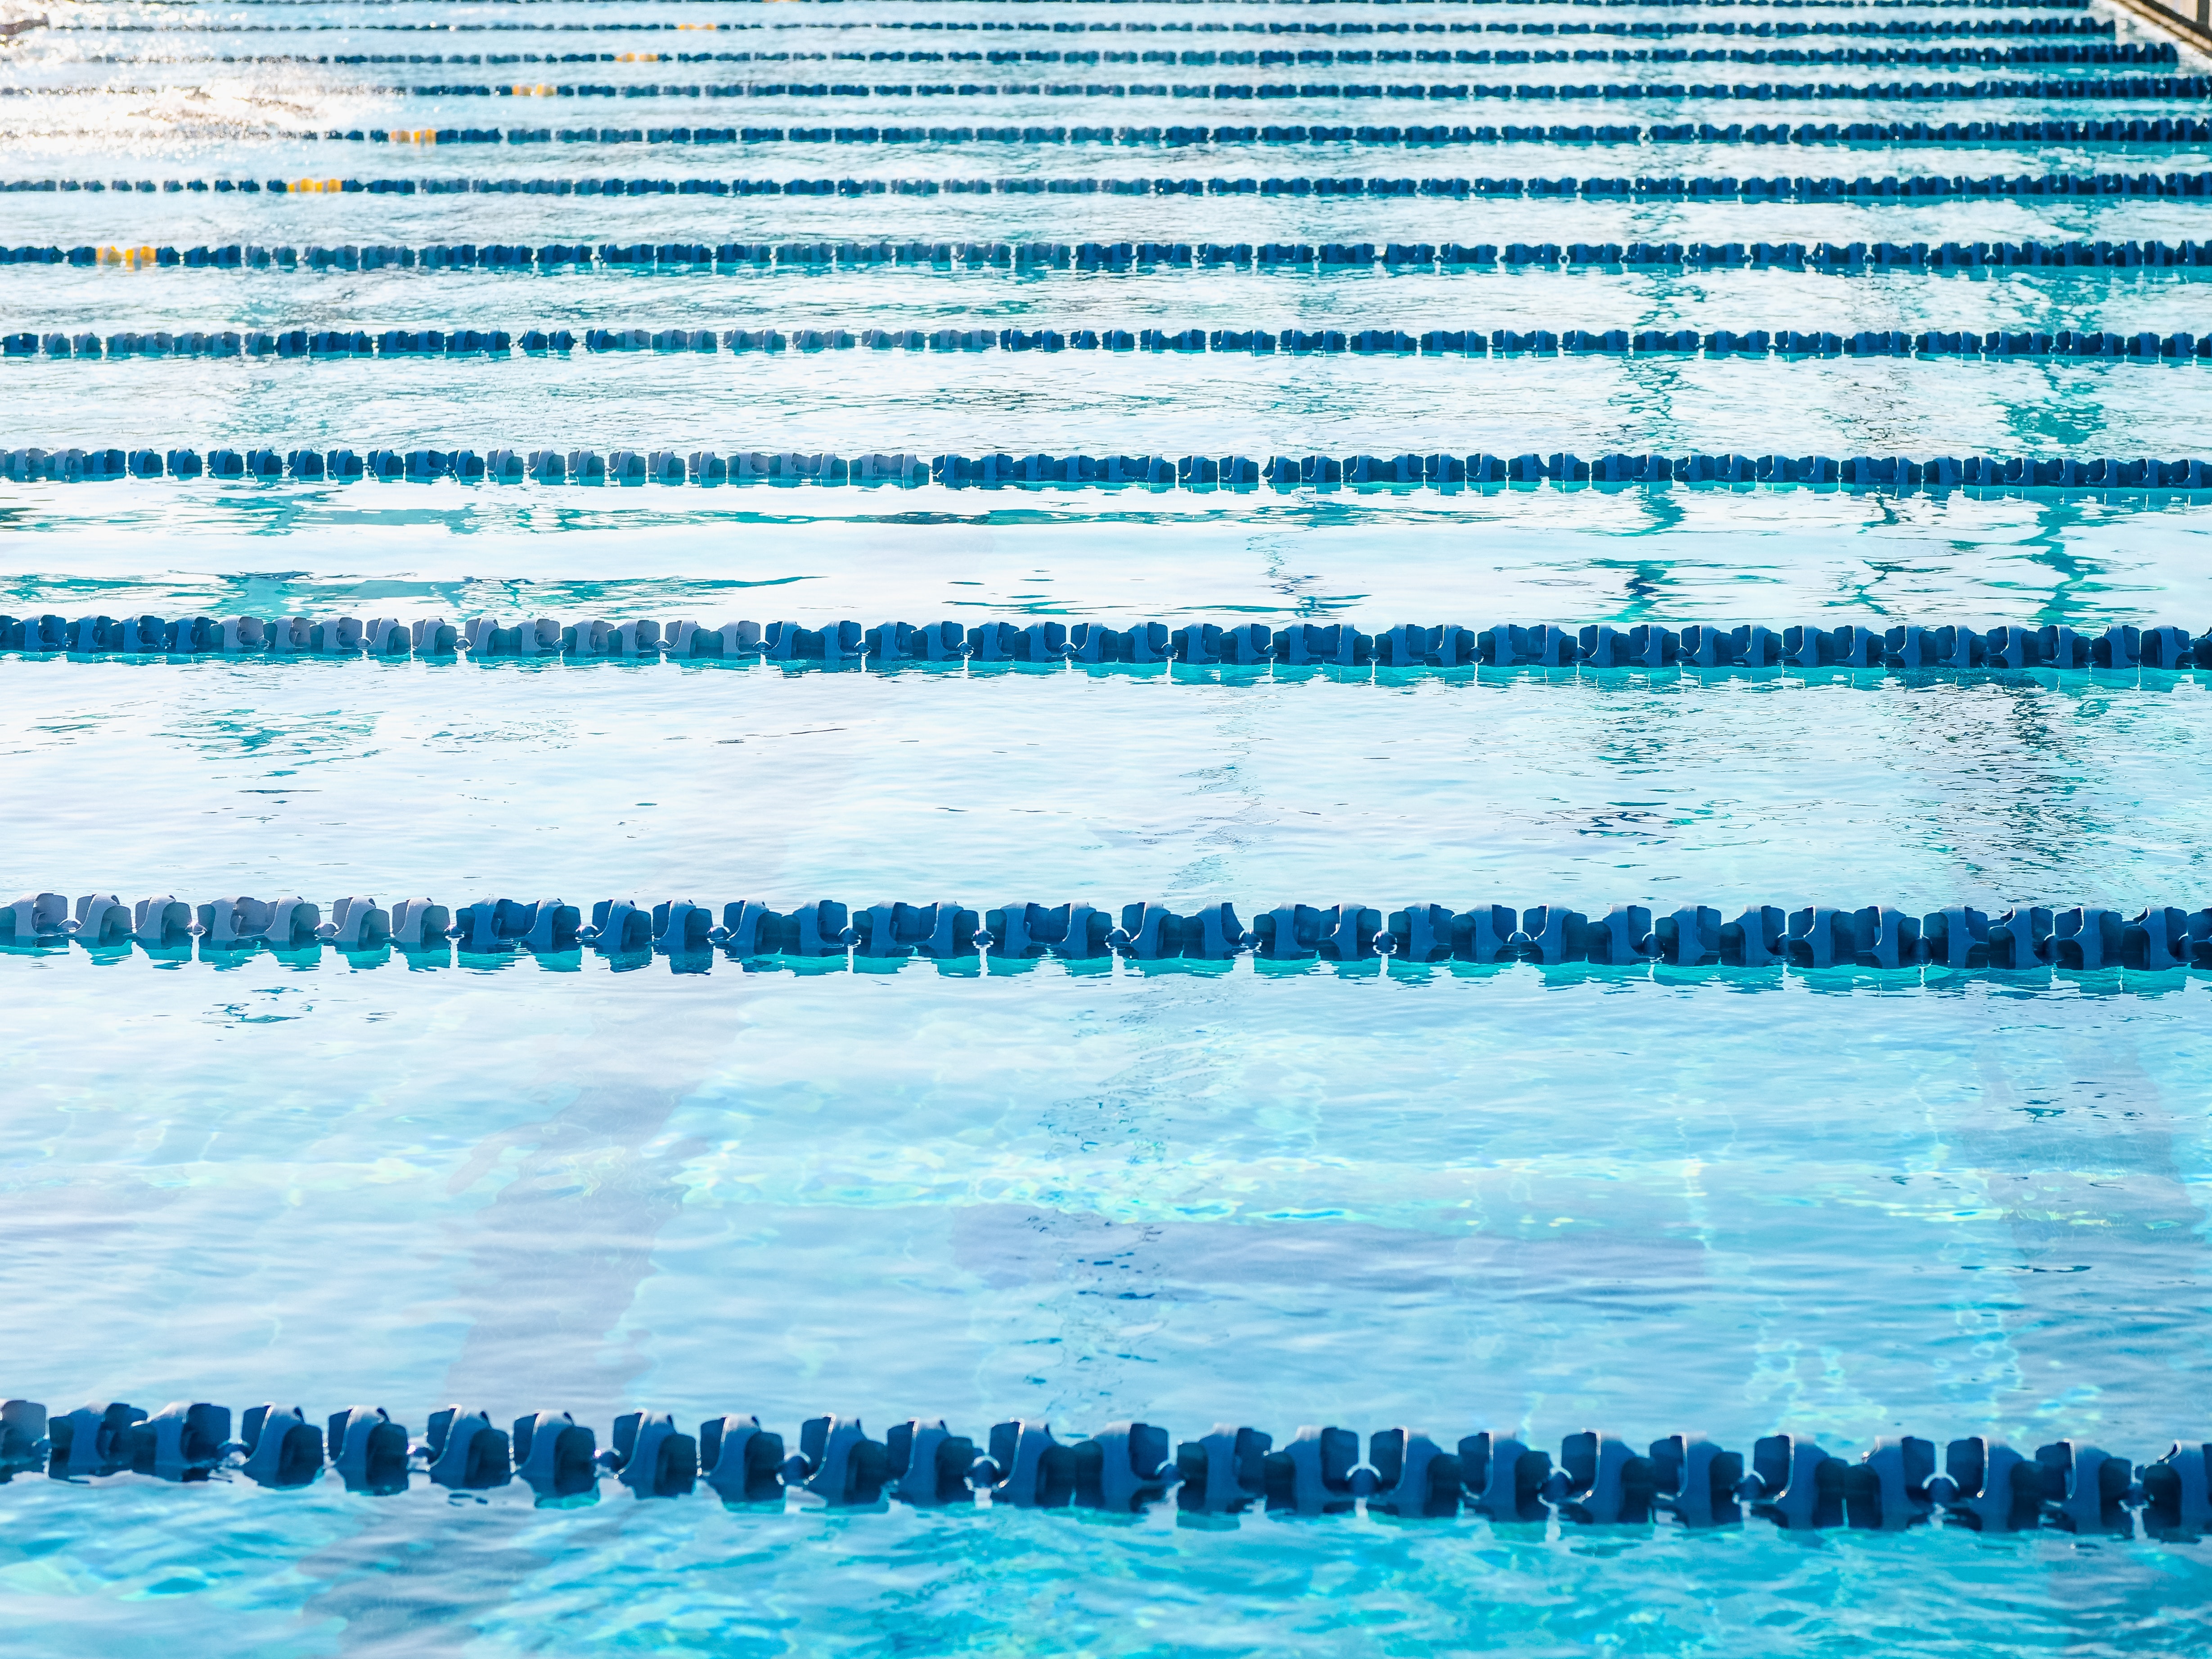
x: 1840, y: 1204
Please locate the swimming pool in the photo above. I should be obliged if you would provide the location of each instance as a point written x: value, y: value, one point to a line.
x: 1296, y: 1181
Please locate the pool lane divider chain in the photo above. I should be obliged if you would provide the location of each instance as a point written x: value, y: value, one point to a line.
x: 1861, y: 191
x: 2103, y: 88
x: 2137, y: 130
x: 2105, y: 52
x: 1201, y: 474
x: 1785, y: 30
x: 2121, y: 647
x: 2068, y: 345
x: 2084, y: 939
x: 1123, y: 259
x: 1981, y: 1484
x: 2102, y: 55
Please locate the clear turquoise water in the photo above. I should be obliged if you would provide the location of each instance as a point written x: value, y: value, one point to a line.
x: 1837, y: 1205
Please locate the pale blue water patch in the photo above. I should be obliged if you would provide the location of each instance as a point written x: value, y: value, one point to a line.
x: 666, y: 1577
x: 190, y: 217
x: 1096, y: 402
x: 103, y: 300
x: 1111, y: 785
x: 1688, y: 553
x: 1180, y: 1197
x: 65, y: 136
x: 1018, y: 1195
x: 1093, y: 401
x: 67, y: 143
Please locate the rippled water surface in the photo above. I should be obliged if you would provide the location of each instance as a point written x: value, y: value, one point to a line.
x: 1840, y: 1204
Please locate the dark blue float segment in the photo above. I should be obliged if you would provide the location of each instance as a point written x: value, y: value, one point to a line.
x: 1038, y: 258
x: 1998, y: 345
x: 1449, y: 473
x: 1598, y: 1481
x: 2120, y: 646
x: 2104, y: 88
x: 1886, y: 28
x: 2085, y: 938
x: 2103, y: 53
x: 1863, y: 190
x: 2134, y: 130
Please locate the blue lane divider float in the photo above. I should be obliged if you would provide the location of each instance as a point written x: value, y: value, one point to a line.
x: 2133, y: 129
x: 2116, y: 89
x: 2119, y: 647
x: 2106, y: 54
x: 2067, y: 345
x: 2086, y: 939
x: 1976, y: 1482
x: 1786, y: 29
x: 1122, y: 258
x: 1861, y: 191
x: 1876, y: 474
x: 1856, y: 647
